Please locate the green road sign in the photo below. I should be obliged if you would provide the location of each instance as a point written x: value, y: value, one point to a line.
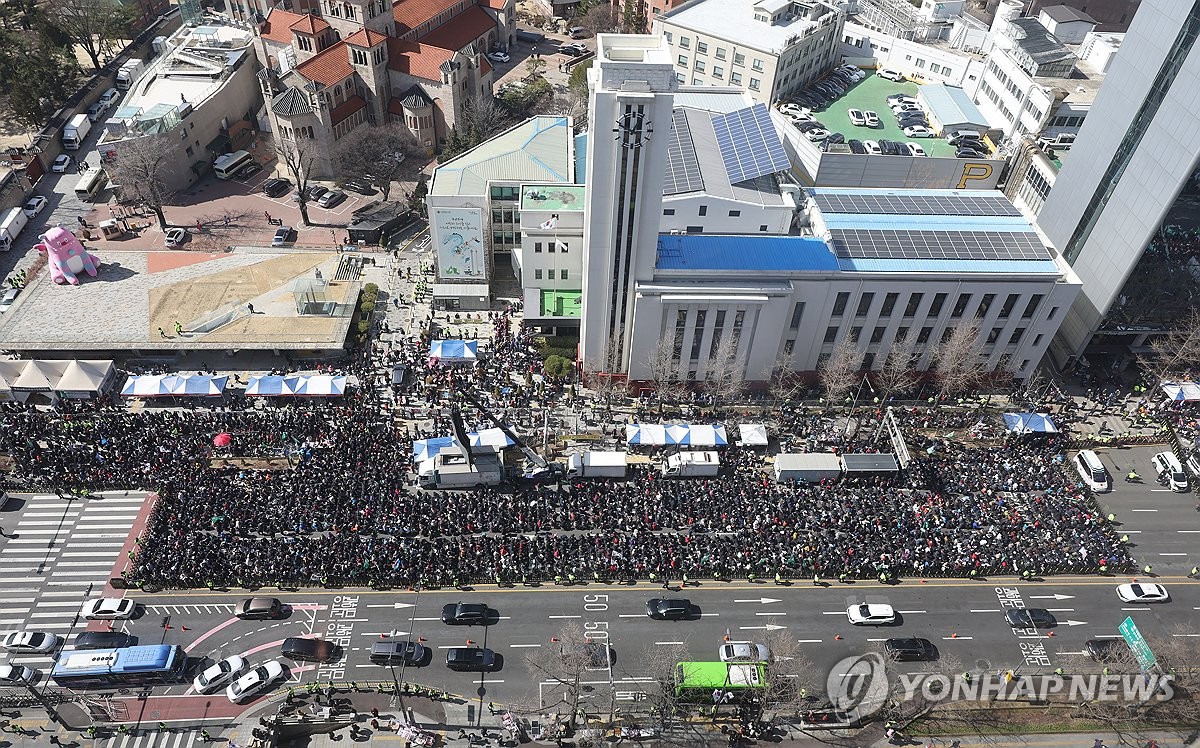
x: 1137, y: 643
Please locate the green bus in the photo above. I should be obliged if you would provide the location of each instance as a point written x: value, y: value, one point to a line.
x: 698, y: 680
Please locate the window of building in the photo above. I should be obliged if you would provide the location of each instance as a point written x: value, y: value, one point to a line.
x: 698, y: 334
x: 994, y: 335
x: 935, y: 68
x: 788, y: 347
x: 901, y: 334
x: 720, y: 53
x: 697, y: 81
x: 562, y: 274
x: 864, y: 304
x: 877, y: 334
x: 939, y: 300
x: 1031, y: 307
x: 947, y: 72
x: 923, y: 336
x: 1037, y: 339
x: 1009, y: 303
x: 550, y: 247
x: 668, y: 35
x: 682, y: 61
x: 830, y: 334
x: 839, y: 303
x: 797, y: 313
x: 699, y: 66
x: 739, y: 58
x: 703, y: 210
x: 754, y: 83
x: 358, y: 56
x: 914, y: 301
x: 304, y: 43
x: 668, y: 211
x: 960, y: 306
x: 855, y: 334
x: 757, y: 65
x: 868, y: 360
x: 1016, y: 336
x: 1053, y: 313
x: 563, y: 247
x: 718, y: 71
x: 505, y: 193
x: 920, y: 63
x: 537, y: 274
x: 695, y: 229
x: 537, y: 248
x: 762, y: 227
x: 189, y: 150
x: 985, y: 304
x: 701, y: 48
x: 685, y: 42
x: 734, y: 213
x: 680, y: 77
x: 889, y: 303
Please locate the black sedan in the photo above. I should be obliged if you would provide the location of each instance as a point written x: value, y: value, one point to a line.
x: 465, y: 614
x: 1030, y: 618
x: 309, y: 650
x: 470, y: 659
x: 910, y: 648
x: 663, y: 609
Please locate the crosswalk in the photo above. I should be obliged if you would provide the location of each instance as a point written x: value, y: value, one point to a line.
x: 153, y: 739
x: 62, y: 553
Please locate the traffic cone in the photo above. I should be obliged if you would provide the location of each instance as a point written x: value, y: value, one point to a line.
x: 421, y: 639
x: 384, y: 636
x: 953, y: 634
x: 837, y: 637
x: 167, y: 626
x: 922, y: 581
x: 470, y: 642
x: 1049, y: 633
x: 184, y: 628
x: 554, y: 639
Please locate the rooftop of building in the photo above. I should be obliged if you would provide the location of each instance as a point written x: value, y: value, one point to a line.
x: 1081, y: 87
x: 537, y: 150
x: 193, y: 68
x: 696, y: 162
x: 1032, y: 37
x: 951, y: 105
x: 1067, y: 14
x: 206, y: 293
x: 734, y: 20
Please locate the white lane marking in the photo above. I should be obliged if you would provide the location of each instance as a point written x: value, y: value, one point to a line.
x: 985, y: 610
x: 876, y: 640
x: 1143, y: 510
x: 1135, y: 609
x: 49, y: 604
x: 73, y: 593
x: 957, y: 638
x: 58, y: 614
x: 769, y: 613
x: 524, y: 645
x: 1080, y: 652
x: 674, y: 644
x: 833, y: 612
x: 435, y: 618
x: 6, y: 580
x: 1061, y: 610
x: 553, y: 617
x: 809, y: 641
x: 912, y: 611
x: 1185, y: 634
x: 11, y: 621
x: 1172, y: 554
x: 710, y: 614
x: 85, y: 526
x: 1182, y: 531
x: 631, y: 615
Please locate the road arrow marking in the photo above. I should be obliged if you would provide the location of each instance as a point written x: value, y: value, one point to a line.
x: 397, y: 606
x: 768, y: 627
x: 1075, y: 623
x: 1055, y: 596
x: 760, y: 600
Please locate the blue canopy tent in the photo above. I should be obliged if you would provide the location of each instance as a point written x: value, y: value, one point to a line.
x: 201, y: 385
x: 454, y: 351
x: 269, y: 386
x: 682, y: 434
x: 1181, y: 392
x: 424, y: 449
x: 1025, y: 423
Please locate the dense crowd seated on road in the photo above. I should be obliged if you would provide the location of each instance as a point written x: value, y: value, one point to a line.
x: 344, y: 509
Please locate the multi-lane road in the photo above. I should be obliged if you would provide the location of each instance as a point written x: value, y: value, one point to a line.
x: 65, y: 551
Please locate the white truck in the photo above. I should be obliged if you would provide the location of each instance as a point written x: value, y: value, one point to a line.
x: 75, y: 131
x: 692, y: 465
x: 597, y: 465
x: 11, y: 225
x: 128, y: 73
x: 810, y: 467
x: 450, y: 469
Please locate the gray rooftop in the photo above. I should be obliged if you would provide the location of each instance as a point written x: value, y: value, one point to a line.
x: 537, y: 150
x: 693, y: 137
x: 1042, y: 46
x: 734, y: 20
x: 1067, y: 14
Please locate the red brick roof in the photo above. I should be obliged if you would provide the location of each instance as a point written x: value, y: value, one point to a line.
x: 485, y: 67
x: 410, y: 14
x: 310, y: 24
x: 418, y: 60
x: 330, y: 66
x: 494, y: 4
x: 278, y: 26
x: 346, y: 109
x: 466, y: 27
x: 394, y: 107
x: 365, y: 38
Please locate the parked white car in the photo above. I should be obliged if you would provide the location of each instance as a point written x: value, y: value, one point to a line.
x: 918, y: 131
x: 916, y: 149
x: 255, y: 681
x: 892, y: 75
x: 219, y: 674
x: 108, y: 608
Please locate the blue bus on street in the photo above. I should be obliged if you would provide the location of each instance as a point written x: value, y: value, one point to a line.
x: 159, y: 663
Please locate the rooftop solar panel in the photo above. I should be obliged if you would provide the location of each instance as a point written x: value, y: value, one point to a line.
x: 683, y: 168
x: 986, y: 204
x: 937, y: 245
x: 749, y: 145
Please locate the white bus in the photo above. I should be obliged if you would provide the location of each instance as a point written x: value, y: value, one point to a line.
x: 228, y: 165
x: 92, y: 182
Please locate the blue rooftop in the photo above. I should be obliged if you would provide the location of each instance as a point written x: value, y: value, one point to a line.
x: 738, y: 252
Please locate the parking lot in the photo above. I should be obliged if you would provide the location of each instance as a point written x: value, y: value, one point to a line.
x: 871, y: 94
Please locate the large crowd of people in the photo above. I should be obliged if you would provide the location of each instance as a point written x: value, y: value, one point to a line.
x: 323, y: 493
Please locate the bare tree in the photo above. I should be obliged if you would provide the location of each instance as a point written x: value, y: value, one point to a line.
x: 783, y: 383
x: 606, y: 380
x: 658, y: 663
x: 569, y: 104
x: 898, y: 374
x: 666, y: 371
x: 1174, y: 354
x: 725, y: 377
x: 298, y: 156
x: 139, y: 170
x: 564, y: 663
x: 600, y: 19
x: 481, y: 116
x: 796, y: 683
x: 383, y: 153
x: 839, y: 372
x: 96, y: 26
x: 957, y: 364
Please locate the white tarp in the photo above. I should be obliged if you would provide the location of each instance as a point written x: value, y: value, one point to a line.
x: 1182, y: 391
x: 753, y: 434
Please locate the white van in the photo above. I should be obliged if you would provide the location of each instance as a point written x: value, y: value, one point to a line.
x: 228, y: 165
x: 1093, y: 472
x: 1169, y: 471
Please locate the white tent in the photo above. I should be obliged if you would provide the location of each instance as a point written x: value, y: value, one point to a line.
x: 40, y: 376
x: 703, y: 435
x: 490, y: 438
x: 753, y: 434
x: 651, y: 435
x: 454, y: 351
x: 9, y: 371
x: 1182, y: 391
x: 320, y: 385
x: 148, y: 385
x: 85, y: 378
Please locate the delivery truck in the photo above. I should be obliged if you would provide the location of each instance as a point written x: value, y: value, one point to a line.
x: 691, y: 465
x: 597, y: 465
x: 11, y: 223
x: 75, y: 131
x: 451, y: 470
x: 129, y: 73
x: 810, y: 467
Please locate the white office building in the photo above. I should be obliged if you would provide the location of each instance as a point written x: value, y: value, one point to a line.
x: 1129, y: 181
x: 771, y: 48
x: 875, y: 266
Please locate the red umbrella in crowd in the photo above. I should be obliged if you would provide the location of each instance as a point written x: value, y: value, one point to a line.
x: 222, y: 439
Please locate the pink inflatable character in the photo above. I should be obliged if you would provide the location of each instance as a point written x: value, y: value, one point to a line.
x: 68, y: 259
